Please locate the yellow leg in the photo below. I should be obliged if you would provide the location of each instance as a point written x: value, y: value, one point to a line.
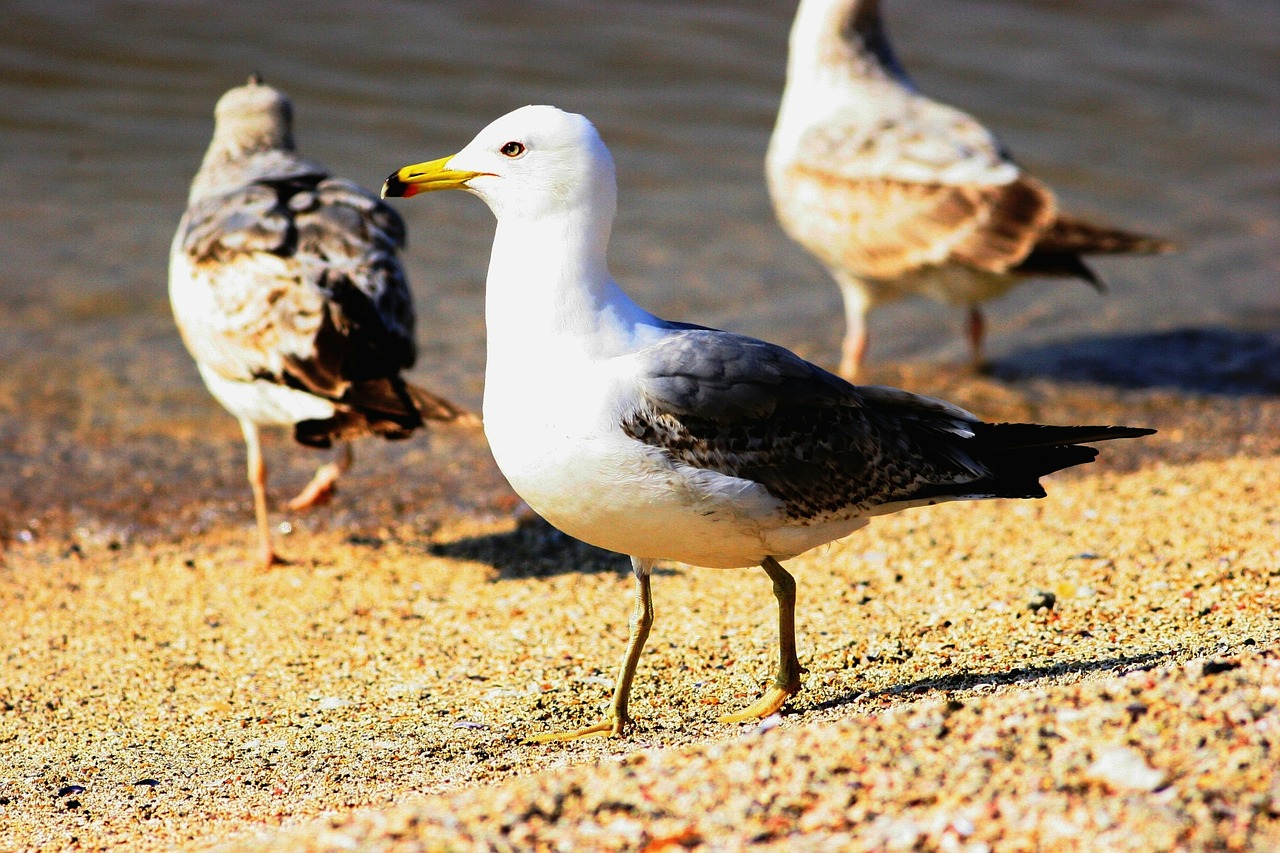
x: 787, y: 681
x: 322, y: 486
x: 618, y: 721
x: 258, y: 482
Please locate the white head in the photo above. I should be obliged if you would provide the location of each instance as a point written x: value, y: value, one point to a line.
x: 532, y: 162
x: 840, y: 37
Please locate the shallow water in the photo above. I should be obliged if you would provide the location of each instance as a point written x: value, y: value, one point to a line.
x: 1163, y: 117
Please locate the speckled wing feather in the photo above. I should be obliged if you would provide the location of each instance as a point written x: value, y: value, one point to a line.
x: 748, y: 409
x: 305, y: 283
x: 741, y: 407
x: 925, y: 186
x: 910, y: 139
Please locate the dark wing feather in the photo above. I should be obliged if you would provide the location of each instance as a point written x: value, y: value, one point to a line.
x: 744, y: 408
x: 1057, y: 251
x: 330, y: 307
x: 242, y: 222
x: 347, y: 244
x: 310, y: 293
x: 748, y: 409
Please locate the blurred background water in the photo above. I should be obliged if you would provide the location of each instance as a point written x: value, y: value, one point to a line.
x: 1158, y: 115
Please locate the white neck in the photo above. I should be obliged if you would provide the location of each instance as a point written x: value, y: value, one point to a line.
x: 832, y: 63
x: 549, y: 289
x: 841, y: 38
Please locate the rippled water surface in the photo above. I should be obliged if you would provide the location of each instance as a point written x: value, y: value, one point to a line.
x: 1162, y: 116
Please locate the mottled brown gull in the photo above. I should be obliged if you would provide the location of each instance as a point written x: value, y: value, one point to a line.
x: 899, y: 195
x: 289, y: 293
x: 666, y: 440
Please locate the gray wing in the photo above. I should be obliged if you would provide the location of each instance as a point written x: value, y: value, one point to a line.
x: 749, y: 409
x: 305, y: 279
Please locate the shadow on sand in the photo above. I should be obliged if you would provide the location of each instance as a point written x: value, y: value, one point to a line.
x: 1195, y: 360
x: 534, y: 549
x: 967, y: 680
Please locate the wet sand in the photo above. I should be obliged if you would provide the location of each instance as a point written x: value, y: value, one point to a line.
x: 160, y: 693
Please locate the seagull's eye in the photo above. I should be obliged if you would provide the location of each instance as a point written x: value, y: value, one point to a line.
x: 512, y: 149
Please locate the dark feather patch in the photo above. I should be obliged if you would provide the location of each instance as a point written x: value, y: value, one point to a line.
x: 388, y: 407
x: 1058, y: 250
x: 340, y: 243
x: 740, y: 407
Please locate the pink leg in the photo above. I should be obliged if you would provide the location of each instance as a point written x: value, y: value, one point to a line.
x: 258, y: 482
x: 322, y: 486
x: 857, y: 302
x: 852, y: 354
x: 976, y: 332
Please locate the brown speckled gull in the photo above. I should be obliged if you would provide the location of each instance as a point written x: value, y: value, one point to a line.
x: 288, y: 291
x: 898, y: 194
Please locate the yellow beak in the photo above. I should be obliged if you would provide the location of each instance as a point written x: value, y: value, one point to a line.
x: 423, y: 177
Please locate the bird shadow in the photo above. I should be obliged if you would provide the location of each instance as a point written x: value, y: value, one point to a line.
x: 1209, y: 360
x: 968, y: 679
x: 533, y: 549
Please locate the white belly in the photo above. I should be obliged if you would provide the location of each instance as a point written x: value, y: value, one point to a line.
x: 197, y: 313
x: 564, y: 453
x: 265, y: 403
x: 951, y: 284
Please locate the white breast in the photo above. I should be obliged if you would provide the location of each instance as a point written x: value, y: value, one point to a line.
x: 560, y: 445
x: 201, y: 322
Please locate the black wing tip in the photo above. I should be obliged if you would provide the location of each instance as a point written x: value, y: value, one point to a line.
x: 1045, y: 435
x: 1106, y: 433
x: 1074, y: 265
x: 1093, y: 279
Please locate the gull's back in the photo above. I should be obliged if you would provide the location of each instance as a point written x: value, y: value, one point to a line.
x: 286, y: 282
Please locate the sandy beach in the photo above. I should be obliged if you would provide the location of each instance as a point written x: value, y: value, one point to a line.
x: 1096, y: 670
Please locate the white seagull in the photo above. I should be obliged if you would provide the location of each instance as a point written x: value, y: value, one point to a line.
x: 288, y: 291
x: 666, y: 440
x: 899, y: 195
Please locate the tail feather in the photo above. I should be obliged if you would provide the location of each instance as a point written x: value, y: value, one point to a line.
x: 1016, y: 456
x: 1025, y: 436
x: 1057, y: 252
x: 387, y: 407
x: 434, y: 408
x: 1059, y: 265
x: 1068, y: 234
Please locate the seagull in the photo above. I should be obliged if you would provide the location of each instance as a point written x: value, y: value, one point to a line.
x: 289, y: 294
x: 666, y: 440
x: 900, y: 195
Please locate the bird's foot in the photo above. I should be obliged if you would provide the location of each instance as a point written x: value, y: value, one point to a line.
x: 610, y: 726
x: 848, y: 370
x: 770, y: 703
x: 980, y: 366
x: 268, y: 559
x: 320, y: 490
